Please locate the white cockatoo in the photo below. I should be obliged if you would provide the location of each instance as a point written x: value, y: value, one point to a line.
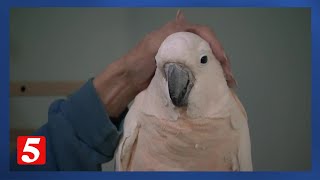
x: 188, y: 119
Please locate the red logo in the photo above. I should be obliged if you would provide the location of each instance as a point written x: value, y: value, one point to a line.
x: 31, y: 150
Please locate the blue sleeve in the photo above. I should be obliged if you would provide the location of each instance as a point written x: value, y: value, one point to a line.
x: 79, y: 134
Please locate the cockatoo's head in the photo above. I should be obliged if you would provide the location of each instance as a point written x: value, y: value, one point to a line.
x: 193, y: 78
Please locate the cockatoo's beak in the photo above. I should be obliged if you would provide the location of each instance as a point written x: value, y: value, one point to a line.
x: 180, y: 81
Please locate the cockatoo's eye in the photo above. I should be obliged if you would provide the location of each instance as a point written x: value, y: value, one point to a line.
x: 204, y: 59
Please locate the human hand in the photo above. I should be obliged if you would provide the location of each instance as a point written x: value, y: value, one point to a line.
x: 141, y: 59
x: 126, y: 77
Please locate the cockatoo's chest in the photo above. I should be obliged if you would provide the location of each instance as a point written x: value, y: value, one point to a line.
x: 200, y: 144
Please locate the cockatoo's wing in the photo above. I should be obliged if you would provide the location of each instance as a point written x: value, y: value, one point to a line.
x: 125, y: 150
x: 239, y: 121
x: 130, y: 135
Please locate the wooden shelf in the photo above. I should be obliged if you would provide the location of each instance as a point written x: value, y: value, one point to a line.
x: 45, y: 88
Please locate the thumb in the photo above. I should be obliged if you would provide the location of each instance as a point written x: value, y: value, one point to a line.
x: 180, y: 18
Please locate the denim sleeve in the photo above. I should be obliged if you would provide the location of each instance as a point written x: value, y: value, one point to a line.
x: 79, y: 134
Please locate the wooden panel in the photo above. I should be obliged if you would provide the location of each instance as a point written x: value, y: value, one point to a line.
x: 27, y: 88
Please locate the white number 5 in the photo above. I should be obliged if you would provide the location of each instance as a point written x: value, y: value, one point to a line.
x: 28, y: 148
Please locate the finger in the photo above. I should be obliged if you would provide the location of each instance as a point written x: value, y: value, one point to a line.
x: 228, y: 73
x: 180, y: 18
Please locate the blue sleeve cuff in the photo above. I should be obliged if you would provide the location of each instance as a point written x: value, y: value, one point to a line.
x: 90, y: 121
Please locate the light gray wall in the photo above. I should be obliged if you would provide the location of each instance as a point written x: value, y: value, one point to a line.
x: 270, y: 51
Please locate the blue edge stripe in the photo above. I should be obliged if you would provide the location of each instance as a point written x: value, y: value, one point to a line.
x: 5, y: 6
